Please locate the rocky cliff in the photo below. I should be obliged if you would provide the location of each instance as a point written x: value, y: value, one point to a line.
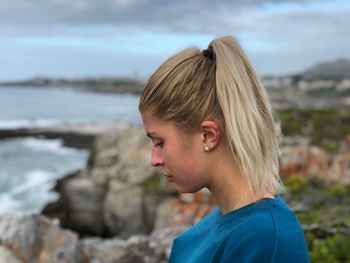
x: 117, y: 209
x: 29, y: 238
x: 117, y: 194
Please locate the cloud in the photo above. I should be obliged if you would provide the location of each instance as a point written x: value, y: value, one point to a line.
x: 72, y: 36
x: 180, y: 15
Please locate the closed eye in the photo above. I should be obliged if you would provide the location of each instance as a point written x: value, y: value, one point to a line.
x: 159, y: 144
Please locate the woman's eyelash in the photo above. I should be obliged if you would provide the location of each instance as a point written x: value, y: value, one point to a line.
x: 159, y: 144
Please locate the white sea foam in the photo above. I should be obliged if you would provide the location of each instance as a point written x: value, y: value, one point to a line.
x: 30, y: 168
x: 33, y: 190
x: 45, y: 145
x: 32, y: 180
x: 8, y: 203
x: 28, y: 123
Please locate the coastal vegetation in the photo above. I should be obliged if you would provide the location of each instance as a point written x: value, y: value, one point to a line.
x: 322, y: 206
x: 324, y: 211
x: 325, y: 128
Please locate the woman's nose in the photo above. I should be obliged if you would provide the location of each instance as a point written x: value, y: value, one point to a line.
x: 156, y: 160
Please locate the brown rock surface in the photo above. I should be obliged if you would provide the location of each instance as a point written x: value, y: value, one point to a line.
x: 116, y: 195
x: 27, y: 237
x: 30, y: 238
x: 302, y: 161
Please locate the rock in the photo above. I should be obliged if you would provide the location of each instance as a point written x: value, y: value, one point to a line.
x: 7, y: 256
x: 104, y: 250
x: 123, y: 211
x: 188, y: 209
x: 123, y: 155
x: 303, y: 161
x: 33, y: 238
x: 116, y: 194
x: 138, y: 248
x: 73, y: 135
x: 308, y: 160
x: 340, y: 171
x: 83, y: 205
x: 164, y: 213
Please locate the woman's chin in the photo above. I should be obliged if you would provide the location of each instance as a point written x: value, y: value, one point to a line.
x: 184, y: 190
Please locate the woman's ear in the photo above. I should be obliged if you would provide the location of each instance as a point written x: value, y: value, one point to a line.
x: 211, y: 134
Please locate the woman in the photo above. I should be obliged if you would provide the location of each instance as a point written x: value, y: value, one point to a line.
x: 211, y: 126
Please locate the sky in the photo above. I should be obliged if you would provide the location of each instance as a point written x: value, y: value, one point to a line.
x: 131, y: 38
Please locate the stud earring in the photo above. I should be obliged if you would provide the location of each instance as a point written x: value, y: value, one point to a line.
x: 206, y: 148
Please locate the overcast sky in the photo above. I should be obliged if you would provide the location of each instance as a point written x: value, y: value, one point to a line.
x: 82, y: 38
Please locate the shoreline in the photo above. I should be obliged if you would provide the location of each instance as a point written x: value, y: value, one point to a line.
x: 99, y: 85
x: 80, y: 136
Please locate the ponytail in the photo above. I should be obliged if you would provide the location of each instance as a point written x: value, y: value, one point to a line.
x: 249, y: 126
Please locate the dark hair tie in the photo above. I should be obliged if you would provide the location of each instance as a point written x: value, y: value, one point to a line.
x: 209, y: 53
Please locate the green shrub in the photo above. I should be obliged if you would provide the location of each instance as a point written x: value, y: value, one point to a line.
x: 324, y: 127
x: 335, y: 248
x: 325, y: 216
x: 295, y: 183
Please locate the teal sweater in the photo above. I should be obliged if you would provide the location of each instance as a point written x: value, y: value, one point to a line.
x: 265, y: 231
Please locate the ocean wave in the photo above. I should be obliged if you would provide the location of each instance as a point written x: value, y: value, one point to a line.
x: 29, y: 123
x: 31, y: 193
x: 32, y: 180
x: 8, y: 203
x: 48, y: 145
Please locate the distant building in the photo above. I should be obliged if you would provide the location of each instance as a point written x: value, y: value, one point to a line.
x: 272, y: 83
x: 343, y: 85
x: 315, y: 84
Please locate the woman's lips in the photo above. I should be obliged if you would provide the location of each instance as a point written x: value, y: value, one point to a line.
x: 170, y: 178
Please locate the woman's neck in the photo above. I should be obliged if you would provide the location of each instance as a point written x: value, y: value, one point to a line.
x: 230, y: 188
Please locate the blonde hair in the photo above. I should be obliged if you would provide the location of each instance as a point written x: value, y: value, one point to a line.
x: 220, y: 82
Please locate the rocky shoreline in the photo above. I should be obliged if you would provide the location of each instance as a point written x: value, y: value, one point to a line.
x: 118, y: 196
x: 33, y: 238
x: 103, y: 84
x: 77, y: 136
x: 116, y: 209
x: 119, y: 209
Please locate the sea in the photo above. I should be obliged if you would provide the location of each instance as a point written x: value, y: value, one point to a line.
x: 29, y: 167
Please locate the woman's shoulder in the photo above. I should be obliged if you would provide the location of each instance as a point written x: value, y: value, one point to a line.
x: 264, y: 218
x: 252, y: 222
x: 265, y: 230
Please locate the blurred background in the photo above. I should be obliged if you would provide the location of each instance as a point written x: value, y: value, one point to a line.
x: 72, y: 70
